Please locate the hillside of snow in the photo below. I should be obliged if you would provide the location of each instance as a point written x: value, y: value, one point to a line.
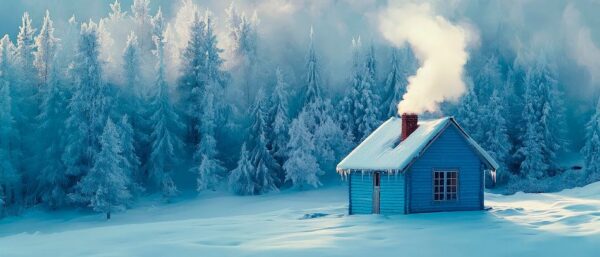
x: 313, y: 223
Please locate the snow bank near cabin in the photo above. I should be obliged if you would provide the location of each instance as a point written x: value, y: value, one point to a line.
x: 314, y: 223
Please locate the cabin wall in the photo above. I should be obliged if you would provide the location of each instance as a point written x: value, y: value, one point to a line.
x: 392, y: 194
x: 449, y: 151
x: 361, y: 193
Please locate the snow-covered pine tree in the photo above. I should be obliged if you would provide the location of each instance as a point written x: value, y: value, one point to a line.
x: 209, y: 168
x: 280, y: 120
x: 158, y: 26
x: 25, y: 56
x: 243, y: 39
x: 47, y: 46
x: 544, y: 114
x: 402, y: 65
x: 591, y: 149
x: 140, y: 13
x: 213, y: 70
x: 131, y: 66
x: 24, y: 92
x: 116, y: 12
x: 556, y: 133
x: 265, y: 165
x: 366, y: 109
x: 469, y: 113
x: 192, y: 82
x: 133, y: 99
x: 348, y: 104
x: 332, y: 141
x: 495, y: 140
x: 487, y: 78
x: 9, y: 175
x: 52, y: 180
x: 88, y: 106
x: 131, y: 162
x: 165, y: 143
x: 302, y: 168
x: 312, y: 79
x: 104, y: 188
x: 535, y: 162
x: 241, y: 179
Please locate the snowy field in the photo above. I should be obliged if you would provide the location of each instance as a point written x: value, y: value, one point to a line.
x: 281, y: 224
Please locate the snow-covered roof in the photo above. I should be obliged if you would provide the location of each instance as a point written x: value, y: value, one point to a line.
x: 382, y: 150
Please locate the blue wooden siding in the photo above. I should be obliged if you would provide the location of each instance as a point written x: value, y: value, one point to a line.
x: 361, y: 193
x: 392, y: 194
x: 449, y: 151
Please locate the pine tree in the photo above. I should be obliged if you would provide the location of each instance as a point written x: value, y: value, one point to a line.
x: 347, y: 115
x: 543, y: 115
x: 281, y: 120
x: 496, y: 141
x: 104, y: 188
x: 209, y: 168
x: 312, y: 80
x: 88, y: 106
x: 25, y: 54
x: 591, y: 149
x: 469, y: 113
x: 133, y: 99
x: 266, y: 167
x: 158, y: 26
x: 535, y: 163
x: 25, y: 101
x: 192, y: 82
x: 165, y: 144
x: 213, y: 69
x: 140, y: 13
x: 333, y: 143
x: 241, y: 179
x: 46, y: 44
x: 9, y: 175
x: 366, y: 109
x: 243, y: 38
x: 487, y: 78
x: 116, y: 13
x: 403, y: 64
x: 301, y: 167
x: 131, y: 164
x: 131, y: 68
x: 52, y: 180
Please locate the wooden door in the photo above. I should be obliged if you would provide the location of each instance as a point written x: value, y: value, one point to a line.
x: 376, y: 192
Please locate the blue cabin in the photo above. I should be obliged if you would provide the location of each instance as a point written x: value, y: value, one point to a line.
x: 406, y: 166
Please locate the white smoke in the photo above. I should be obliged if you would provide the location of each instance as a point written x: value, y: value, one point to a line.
x: 441, y: 48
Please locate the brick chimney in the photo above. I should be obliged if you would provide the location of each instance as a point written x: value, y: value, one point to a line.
x: 409, y: 124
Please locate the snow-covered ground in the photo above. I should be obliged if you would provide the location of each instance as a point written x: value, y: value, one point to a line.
x: 281, y: 224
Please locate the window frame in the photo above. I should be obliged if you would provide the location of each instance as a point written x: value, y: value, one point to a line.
x: 444, y: 186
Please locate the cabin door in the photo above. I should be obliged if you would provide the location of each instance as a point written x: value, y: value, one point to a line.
x: 376, y: 190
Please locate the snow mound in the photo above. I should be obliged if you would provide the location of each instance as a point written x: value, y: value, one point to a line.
x: 569, y: 212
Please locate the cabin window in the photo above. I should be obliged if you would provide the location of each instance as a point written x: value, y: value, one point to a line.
x: 445, y: 185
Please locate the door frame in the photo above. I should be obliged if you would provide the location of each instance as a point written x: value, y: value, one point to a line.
x: 376, y: 192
